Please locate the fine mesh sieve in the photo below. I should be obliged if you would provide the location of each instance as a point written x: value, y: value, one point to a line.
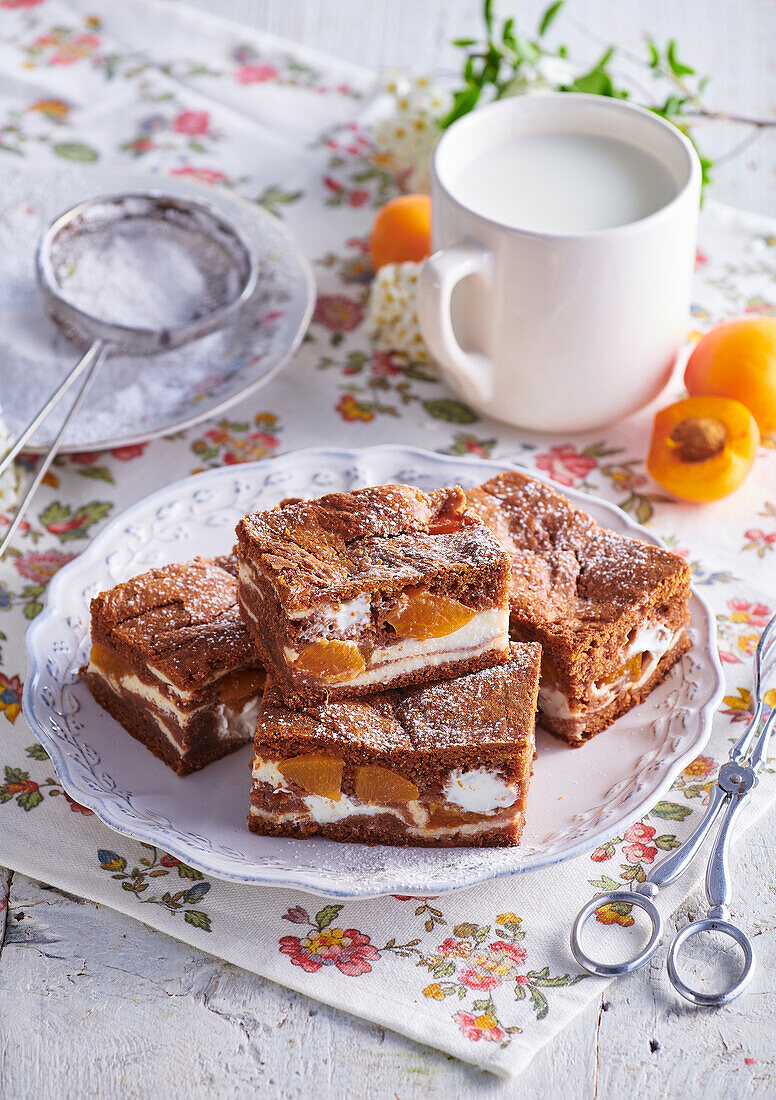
x: 136, y: 273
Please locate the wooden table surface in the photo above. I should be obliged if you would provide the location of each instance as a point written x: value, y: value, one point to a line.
x: 94, y: 1003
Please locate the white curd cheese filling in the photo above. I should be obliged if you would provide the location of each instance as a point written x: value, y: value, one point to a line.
x: 230, y: 722
x: 478, y: 791
x: 653, y: 640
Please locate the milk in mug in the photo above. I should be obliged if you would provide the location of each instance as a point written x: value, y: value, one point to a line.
x: 564, y: 183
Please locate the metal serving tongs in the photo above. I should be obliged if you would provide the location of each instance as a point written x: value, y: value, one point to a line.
x: 734, y: 782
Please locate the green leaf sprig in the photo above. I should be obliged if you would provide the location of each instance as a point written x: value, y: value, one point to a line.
x: 505, y: 64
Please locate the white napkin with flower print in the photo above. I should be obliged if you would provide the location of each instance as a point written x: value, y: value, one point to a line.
x: 484, y: 974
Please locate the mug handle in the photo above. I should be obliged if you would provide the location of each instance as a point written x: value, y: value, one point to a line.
x: 472, y: 371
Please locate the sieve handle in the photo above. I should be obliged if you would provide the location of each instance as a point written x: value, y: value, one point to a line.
x: 45, y: 409
x: 87, y: 366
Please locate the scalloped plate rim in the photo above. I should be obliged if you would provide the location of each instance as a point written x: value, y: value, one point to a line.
x: 288, y: 878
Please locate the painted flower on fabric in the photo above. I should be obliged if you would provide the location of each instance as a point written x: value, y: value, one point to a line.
x: 84, y: 458
x: 126, y: 454
x: 13, y: 5
x: 67, y: 48
x: 453, y: 948
x: 638, y: 849
x: 565, y: 464
x: 638, y: 831
x: 10, y: 696
x: 617, y: 912
x: 76, y: 807
x: 701, y: 766
x: 55, y: 110
x: 484, y: 1027
x: 349, y: 950
x: 639, y: 853
x: 39, y: 566
x: 350, y: 408
x: 297, y: 915
x: 204, y: 175
x: 338, y: 312
x: 256, y: 74
x: 489, y: 967
x: 194, y: 123
x: 509, y: 951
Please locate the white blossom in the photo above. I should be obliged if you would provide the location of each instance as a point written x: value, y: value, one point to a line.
x: 406, y: 135
x: 392, y: 313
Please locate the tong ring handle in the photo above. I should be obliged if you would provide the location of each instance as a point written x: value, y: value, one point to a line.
x: 711, y: 924
x: 614, y: 970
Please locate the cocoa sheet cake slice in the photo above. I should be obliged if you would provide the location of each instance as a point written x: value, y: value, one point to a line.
x: 443, y: 764
x: 171, y: 661
x: 386, y: 586
x: 610, y: 612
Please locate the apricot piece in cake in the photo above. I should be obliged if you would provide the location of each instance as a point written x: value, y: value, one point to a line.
x: 375, y: 784
x: 631, y: 668
x: 315, y: 772
x: 240, y: 686
x: 422, y: 614
x: 332, y: 660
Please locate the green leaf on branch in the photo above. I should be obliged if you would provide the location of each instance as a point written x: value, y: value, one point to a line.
x: 549, y: 17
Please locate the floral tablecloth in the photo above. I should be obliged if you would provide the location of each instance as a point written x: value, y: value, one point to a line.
x: 485, y: 973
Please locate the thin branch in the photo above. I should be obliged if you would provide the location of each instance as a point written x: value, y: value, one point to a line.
x: 726, y: 116
x: 738, y: 149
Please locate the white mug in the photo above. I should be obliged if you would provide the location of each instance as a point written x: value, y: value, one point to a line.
x: 555, y: 331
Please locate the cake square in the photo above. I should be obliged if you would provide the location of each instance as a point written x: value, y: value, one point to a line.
x: 437, y: 765
x: 171, y: 661
x: 386, y: 586
x: 609, y: 612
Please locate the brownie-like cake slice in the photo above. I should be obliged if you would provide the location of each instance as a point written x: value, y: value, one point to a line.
x: 353, y: 592
x: 171, y: 660
x: 610, y: 612
x: 441, y: 764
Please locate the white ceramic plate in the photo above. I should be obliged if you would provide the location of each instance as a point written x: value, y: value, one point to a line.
x: 578, y: 798
x: 136, y: 398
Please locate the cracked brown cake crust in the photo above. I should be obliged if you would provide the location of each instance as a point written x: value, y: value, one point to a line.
x: 446, y: 740
x: 335, y: 569
x: 171, y: 661
x: 595, y: 600
x: 183, y: 619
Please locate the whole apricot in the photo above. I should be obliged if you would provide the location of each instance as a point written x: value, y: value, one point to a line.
x: 401, y: 231
x: 738, y: 359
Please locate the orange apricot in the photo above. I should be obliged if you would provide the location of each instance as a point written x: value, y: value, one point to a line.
x: 738, y: 359
x: 377, y: 785
x: 422, y: 614
x: 401, y: 231
x: 315, y: 772
x: 702, y: 448
x: 331, y: 660
x: 238, y: 687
